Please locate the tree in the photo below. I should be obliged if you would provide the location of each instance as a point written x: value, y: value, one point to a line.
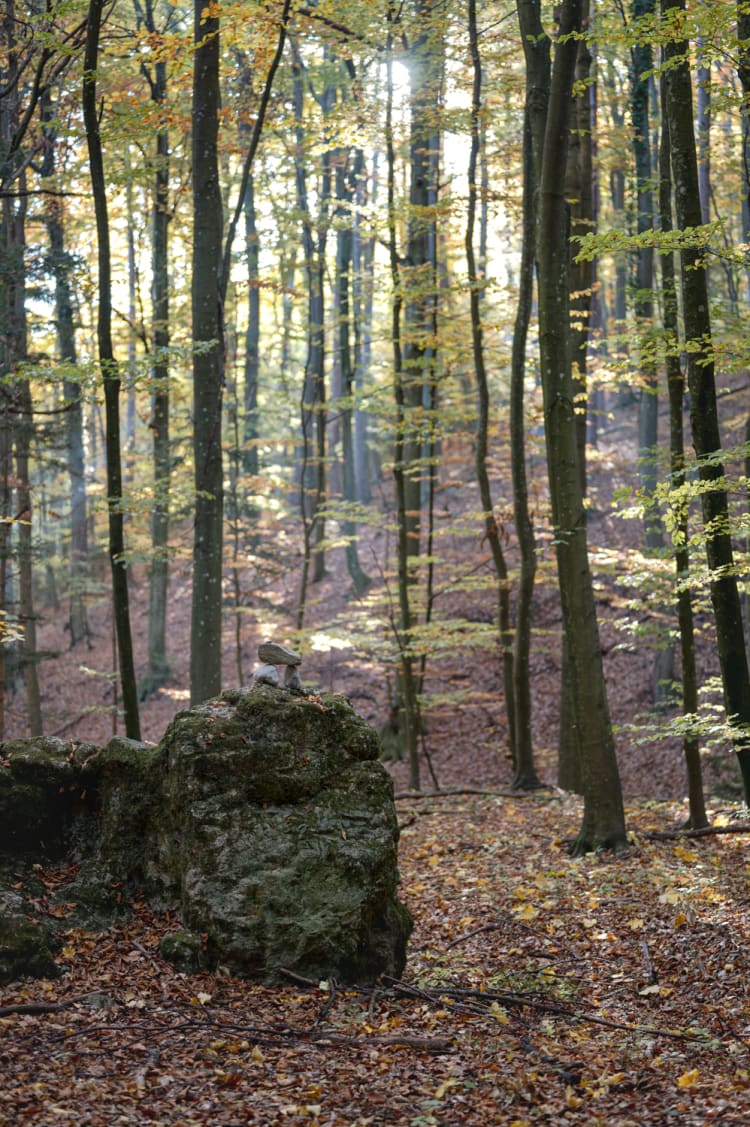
x: 603, y: 817
x: 681, y: 551
x: 111, y: 380
x: 158, y: 663
x: 208, y: 361
x: 61, y: 268
x: 519, y: 738
x: 703, y: 405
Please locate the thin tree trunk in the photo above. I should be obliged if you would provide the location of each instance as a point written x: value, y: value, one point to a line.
x: 72, y: 397
x: 342, y: 304
x: 703, y: 407
x: 676, y: 390
x: 408, y: 702
x: 158, y: 662
x: 363, y: 260
x: 208, y: 364
x: 111, y: 378
x: 525, y: 775
x: 250, y: 431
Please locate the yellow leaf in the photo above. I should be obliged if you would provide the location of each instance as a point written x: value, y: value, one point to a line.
x: 636, y: 925
x: 688, y: 1079
x: 527, y: 912
x: 445, y: 1086
x: 680, y: 919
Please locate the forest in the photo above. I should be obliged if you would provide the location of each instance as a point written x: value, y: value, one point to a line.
x: 413, y: 335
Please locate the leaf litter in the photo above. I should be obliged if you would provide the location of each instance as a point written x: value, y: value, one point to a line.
x: 540, y: 989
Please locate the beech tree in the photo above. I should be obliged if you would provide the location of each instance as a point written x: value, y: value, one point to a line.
x: 111, y: 381
x: 208, y: 362
x: 603, y: 817
x: 703, y: 403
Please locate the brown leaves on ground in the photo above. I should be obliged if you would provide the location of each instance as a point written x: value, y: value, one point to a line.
x: 539, y: 989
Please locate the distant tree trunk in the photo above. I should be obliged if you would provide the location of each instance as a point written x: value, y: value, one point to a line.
x: 603, y: 817
x: 208, y: 364
x: 363, y: 258
x: 72, y: 399
x: 617, y: 198
x: 648, y: 401
x: 312, y: 469
x: 676, y: 390
x: 703, y: 408
x: 131, y: 368
x: 250, y: 433
x: 5, y: 532
x: 345, y: 178
x: 703, y: 122
x: 15, y: 333
x: 524, y: 772
x: 111, y: 378
x: 642, y: 65
x: 24, y: 435
x: 408, y: 699
x: 158, y: 662
x: 418, y: 271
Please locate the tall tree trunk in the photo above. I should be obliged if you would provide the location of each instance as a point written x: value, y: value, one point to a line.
x: 642, y: 64
x: 111, y: 378
x: 312, y: 461
x: 72, y: 398
x: 346, y: 174
x: 363, y: 261
x: 250, y: 432
x: 158, y: 662
x: 579, y: 177
x: 603, y: 817
x: 524, y: 772
x: 676, y: 391
x: 703, y: 407
x: 208, y: 363
x: 408, y: 699
x: 648, y: 400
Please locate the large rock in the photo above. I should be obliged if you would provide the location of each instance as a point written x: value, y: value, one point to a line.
x: 264, y: 816
x: 278, y: 830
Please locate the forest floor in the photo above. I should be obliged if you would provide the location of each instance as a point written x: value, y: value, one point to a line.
x: 538, y: 988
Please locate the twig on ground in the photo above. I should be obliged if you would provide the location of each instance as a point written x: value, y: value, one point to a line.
x: 704, y: 831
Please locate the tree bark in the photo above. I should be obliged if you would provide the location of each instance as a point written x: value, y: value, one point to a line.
x: 208, y: 364
x: 66, y: 348
x: 676, y: 391
x: 703, y: 406
x: 603, y: 823
x: 347, y: 171
x: 158, y: 662
x: 521, y: 751
x: 111, y: 378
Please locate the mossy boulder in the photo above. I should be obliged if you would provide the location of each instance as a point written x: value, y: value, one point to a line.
x: 279, y: 833
x: 43, y: 792
x: 25, y: 944
x: 264, y: 816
